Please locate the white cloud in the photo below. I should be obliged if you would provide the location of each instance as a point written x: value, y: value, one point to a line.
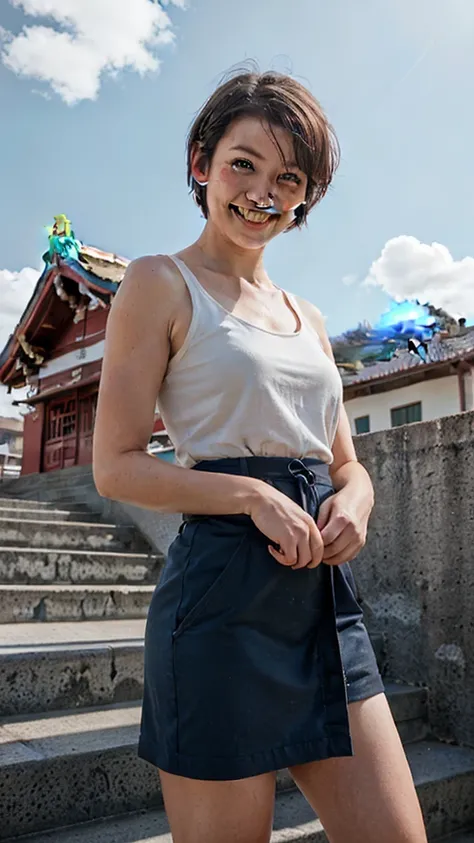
x: 409, y: 269
x: 94, y: 37
x: 15, y: 292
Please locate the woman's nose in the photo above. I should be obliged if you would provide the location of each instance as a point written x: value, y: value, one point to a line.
x: 260, y: 195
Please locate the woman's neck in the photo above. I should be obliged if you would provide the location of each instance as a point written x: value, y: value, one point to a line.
x: 221, y: 255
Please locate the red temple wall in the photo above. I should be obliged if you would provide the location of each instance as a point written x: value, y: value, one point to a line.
x: 32, y: 440
x: 73, y: 338
x: 63, y: 379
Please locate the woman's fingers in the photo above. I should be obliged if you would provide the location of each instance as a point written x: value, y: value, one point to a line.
x: 317, y: 548
x: 307, y: 552
x: 288, y: 558
x: 294, y: 539
x: 347, y: 555
x: 345, y: 544
x: 303, y: 547
x: 310, y: 549
x: 304, y: 555
x: 336, y: 547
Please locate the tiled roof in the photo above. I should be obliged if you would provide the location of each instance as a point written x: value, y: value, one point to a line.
x: 106, y: 269
x: 439, y: 351
x: 105, y: 265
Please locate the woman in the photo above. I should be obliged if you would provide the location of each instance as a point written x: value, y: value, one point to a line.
x: 256, y: 655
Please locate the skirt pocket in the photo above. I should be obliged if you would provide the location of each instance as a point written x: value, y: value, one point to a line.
x: 218, y: 548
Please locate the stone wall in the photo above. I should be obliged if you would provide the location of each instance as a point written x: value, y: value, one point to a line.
x: 416, y: 573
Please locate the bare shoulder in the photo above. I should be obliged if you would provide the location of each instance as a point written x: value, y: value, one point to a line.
x: 317, y: 322
x: 150, y: 280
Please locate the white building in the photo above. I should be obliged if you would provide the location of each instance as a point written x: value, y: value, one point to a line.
x: 406, y: 389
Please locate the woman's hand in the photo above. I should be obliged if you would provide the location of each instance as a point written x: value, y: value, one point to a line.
x: 289, y: 527
x: 343, y: 520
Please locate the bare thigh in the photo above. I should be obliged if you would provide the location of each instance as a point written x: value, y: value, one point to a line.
x: 370, y: 796
x: 213, y: 812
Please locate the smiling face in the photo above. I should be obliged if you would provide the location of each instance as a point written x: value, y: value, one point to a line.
x: 253, y: 166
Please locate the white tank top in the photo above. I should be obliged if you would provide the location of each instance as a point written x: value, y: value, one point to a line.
x: 235, y: 389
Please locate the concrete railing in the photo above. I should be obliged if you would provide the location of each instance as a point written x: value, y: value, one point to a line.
x: 416, y: 573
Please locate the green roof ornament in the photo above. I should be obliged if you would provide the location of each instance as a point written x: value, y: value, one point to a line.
x: 62, y: 240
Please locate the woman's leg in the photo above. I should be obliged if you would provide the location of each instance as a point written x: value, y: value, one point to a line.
x: 212, y: 812
x: 370, y: 796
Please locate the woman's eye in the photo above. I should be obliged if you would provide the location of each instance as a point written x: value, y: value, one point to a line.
x: 291, y: 177
x: 242, y: 164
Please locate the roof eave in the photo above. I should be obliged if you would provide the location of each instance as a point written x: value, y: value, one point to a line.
x: 68, y: 267
x: 402, y: 374
x: 8, y: 355
x: 73, y: 269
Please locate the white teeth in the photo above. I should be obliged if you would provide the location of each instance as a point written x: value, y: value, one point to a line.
x: 253, y: 216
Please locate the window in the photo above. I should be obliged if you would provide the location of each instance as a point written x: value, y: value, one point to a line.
x: 61, y: 419
x: 362, y: 424
x: 406, y: 415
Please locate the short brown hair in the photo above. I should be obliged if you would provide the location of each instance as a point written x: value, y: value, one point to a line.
x: 282, y: 102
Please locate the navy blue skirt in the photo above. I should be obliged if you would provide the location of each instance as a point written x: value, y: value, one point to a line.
x: 250, y: 665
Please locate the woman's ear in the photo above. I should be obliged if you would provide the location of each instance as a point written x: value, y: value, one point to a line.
x: 199, y: 166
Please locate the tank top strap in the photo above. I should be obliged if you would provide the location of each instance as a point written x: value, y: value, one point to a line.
x: 200, y: 299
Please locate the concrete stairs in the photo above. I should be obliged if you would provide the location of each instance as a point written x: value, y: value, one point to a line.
x: 72, y: 618
x: 59, y: 563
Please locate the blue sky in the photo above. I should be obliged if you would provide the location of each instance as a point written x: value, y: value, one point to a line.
x: 396, y: 78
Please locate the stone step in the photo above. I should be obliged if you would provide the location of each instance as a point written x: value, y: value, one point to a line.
x: 69, y: 535
x: 50, y: 565
x: 83, y: 494
x: 72, y: 766
x: 51, y: 666
x: 85, y: 675
x: 409, y: 706
x: 64, y: 502
x: 47, y: 484
x: 43, y: 514
x: 294, y: 822
x: 25, y: 603
x: 25, y: 503
x: 31, y: 635
x: 68, y: 768
x: 45, y: 672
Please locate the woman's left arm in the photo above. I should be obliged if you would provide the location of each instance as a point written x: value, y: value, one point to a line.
x: 343, y: 517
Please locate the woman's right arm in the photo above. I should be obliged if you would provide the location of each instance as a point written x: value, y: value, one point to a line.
x: 140, y: 325
x: 137, y: 351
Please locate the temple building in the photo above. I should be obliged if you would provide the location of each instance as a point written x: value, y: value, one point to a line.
x: 56, y: 351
